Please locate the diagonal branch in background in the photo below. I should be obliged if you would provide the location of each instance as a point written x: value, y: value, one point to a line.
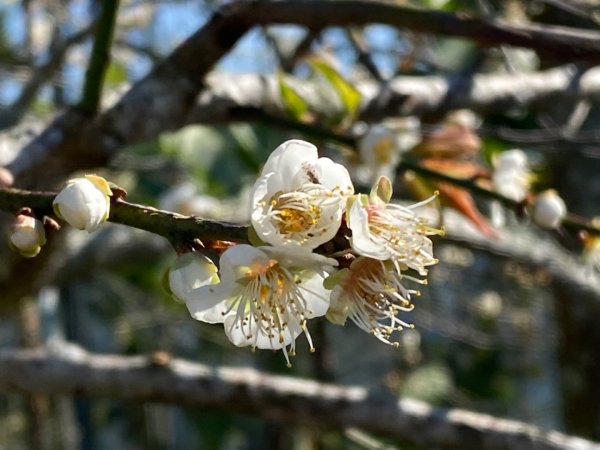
x: 69, y: 370
x: 570, y: 221
x: 168, y: 93
x: 226, y: 94
x: 524, y: 245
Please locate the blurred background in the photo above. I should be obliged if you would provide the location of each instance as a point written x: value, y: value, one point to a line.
x: 506, y: 326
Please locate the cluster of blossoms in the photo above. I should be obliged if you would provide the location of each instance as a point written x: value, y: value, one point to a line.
x: 319, y: 249
x: 300, y: 205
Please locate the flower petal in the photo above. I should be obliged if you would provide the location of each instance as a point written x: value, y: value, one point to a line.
x: 315, y: 296
x: 287, y: 159
x: 238, y: 259
x: 333, y: 176
x: 358, y: 222
x: 245, y: 334
x: 191, y: 271
x: 209, y: 303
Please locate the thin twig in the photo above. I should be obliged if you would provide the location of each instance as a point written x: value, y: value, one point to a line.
x: 364, y: 56
x: 175, y: 227
x: 571, y: 221
x: 100, y: 57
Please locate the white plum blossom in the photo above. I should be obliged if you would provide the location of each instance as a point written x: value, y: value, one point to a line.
x: 27, y: 235
x: 191, y: 271
x: 299, y: 198
x: 382, y: 145
x: 84, y: 202
x: 265, y: 296
x: 382, y: 230
x: 548, y: 209
x: 370, y: 292
x: 511, y: 176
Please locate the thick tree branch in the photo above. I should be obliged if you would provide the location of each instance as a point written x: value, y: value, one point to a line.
x: 73, y: 371
x: 167, y: 94
x: 406, y: 95
x: 524, y: 245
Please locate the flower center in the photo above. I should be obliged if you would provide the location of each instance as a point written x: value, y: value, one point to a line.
x: 272, y: 305
x: 297, y: 215
x: 260, y: 268
x: 375, y: 296
x: 291, y: 220
x: 403, y: 234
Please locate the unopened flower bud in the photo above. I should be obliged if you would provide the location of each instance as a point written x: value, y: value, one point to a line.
x: 511, y: 176
x: 27, y: 235
x: 191, y: 271
x: 84, y: 202
x: 6, y: 178
x: 512, y: 159
x: 548, y: 209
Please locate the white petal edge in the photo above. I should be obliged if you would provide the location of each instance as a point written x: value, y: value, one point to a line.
x: 358, y: 222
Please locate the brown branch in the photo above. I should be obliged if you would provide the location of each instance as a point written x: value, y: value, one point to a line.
x: 318, y: 14
x: 72, y: 371
x: 175, y: 227
x: 354, y: 35
x: 527, y: 248
x: 570, y: 221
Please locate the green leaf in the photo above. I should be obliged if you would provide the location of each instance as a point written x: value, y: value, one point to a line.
x: 349, y: 95
x: 294, y: 105
x: 116, y: 74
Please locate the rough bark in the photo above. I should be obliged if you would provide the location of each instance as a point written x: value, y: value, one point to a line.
x: 73, y: 371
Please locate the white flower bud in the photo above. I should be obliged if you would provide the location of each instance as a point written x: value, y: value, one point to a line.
x: 84, y: 202
x: 511, y: 176
x: 27, y: 235
x: 512, y: 159
x: 191, y: 271
x: 6, y: 178
x: 548, y: 209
